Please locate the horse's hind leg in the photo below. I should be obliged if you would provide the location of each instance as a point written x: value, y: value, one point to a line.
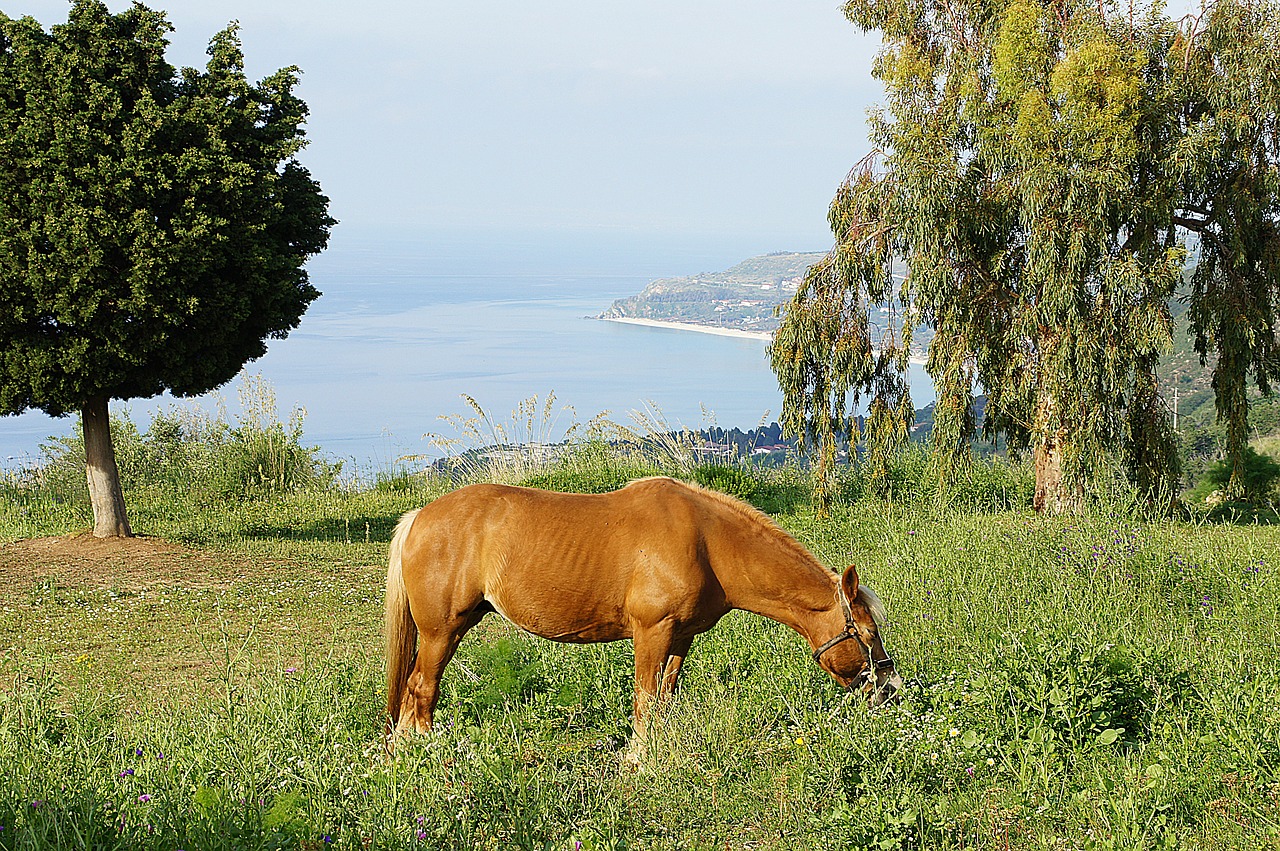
x: 435, y: 649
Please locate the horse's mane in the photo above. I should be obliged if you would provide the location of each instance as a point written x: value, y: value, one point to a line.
x: 764, y: 522
x: 873, y: 604
x: 770, y: 527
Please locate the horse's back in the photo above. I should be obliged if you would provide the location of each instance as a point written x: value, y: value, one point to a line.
x: 577, y: 567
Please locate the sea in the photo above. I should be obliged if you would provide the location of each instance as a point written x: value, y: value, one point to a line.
x: 409, y: 326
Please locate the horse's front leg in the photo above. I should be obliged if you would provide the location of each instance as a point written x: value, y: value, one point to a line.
x: 660, y: 653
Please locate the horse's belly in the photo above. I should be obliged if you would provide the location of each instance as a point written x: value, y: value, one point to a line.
x: 568, y: 620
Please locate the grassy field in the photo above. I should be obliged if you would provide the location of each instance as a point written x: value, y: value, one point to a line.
x: 1074, y: 683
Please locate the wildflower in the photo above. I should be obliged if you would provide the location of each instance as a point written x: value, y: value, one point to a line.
x: 954, y: 732
x: 969, y: 771
x: 144, y: 799
x: 138, y: 751
x: 290, y: 670
x: 128, y: 772
x: 37, y: 804
x: 799, y: 740
x: 990, y: 761
x: 422, y: 835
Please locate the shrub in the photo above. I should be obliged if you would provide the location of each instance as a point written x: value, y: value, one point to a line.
x: 1078, y: 692
x: 590, y: 467
x: 726, y: 478
x: 188, y: 452
x: 1257, y: 482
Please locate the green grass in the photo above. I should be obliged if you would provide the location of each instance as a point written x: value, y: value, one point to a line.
x: 1075, y: 683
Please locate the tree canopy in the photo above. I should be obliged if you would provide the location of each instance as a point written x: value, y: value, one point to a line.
x: 1041, y: 172
x: 153, y: 223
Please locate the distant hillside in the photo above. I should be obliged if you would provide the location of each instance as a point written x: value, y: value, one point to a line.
x: 746, y: 296
x: 742, y: 297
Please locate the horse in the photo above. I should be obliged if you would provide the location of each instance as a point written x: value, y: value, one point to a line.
x: 658, y: 561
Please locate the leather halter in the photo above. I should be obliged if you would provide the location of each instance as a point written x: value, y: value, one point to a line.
x: 851, y: 631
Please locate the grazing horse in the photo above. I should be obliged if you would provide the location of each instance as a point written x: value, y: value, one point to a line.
x: 658, y: 561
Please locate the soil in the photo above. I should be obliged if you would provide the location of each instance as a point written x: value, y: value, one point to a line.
x: 130, y: 564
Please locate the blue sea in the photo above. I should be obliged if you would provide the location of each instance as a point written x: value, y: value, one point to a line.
x: 406, y: 326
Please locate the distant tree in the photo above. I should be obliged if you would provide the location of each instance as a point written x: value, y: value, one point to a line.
x: 1037, y: 164
x: 153, y: 224
x: 1225, y: 84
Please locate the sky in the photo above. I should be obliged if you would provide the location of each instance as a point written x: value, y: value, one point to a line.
x: 499, y: 119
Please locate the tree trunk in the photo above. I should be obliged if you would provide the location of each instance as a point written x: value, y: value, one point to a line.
x: 109, y: 518
x: 1053, y: 495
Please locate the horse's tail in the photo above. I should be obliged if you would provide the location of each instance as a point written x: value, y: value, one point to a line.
x: 402, y: 632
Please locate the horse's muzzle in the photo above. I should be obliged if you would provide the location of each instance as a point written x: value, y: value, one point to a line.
x: 883, y: 690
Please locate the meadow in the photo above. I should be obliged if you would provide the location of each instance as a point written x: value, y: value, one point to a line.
x: 1085, y: 682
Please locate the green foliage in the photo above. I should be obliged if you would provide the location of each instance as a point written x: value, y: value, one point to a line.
x: 155, y: 223
x: 502, y: 674
x: 590, y: 467
x: 1036, y: 169
x: 909, y: 478
x: 1076, y: 693
x: 731, y: 479
x: 1254, y: 483
x: 188, y: 455
x: 1101, y: 678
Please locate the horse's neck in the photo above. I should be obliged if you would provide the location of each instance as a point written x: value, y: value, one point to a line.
x: 783, y: 585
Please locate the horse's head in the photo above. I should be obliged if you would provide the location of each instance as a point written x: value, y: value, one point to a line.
x: 856, y: 657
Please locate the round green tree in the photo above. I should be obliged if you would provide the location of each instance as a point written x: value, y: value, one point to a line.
x: 154, y: 223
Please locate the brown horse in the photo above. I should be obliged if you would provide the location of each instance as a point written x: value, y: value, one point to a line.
x: 658, y: 562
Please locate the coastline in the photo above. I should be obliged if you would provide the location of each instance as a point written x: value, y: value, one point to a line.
x: 690, y: 326
x: 710, y: 329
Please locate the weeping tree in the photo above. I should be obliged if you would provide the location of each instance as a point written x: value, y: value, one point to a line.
x: 153, y: 224
x: 1035, y: 174
x: 1226, y: 161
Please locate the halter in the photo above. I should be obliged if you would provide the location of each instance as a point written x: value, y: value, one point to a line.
x: 851, y: 631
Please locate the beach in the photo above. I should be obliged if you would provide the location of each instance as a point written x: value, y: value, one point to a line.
x: 767, y: 336
x: 690, y: 326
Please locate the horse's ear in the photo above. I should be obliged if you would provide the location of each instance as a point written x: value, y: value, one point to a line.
x: 849, y: 582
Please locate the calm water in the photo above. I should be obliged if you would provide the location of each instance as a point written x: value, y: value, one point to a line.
x: 402, y: 331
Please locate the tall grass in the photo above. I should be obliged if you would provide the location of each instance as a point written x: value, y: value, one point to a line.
x: 1089, y: 682
x: 186, y: 456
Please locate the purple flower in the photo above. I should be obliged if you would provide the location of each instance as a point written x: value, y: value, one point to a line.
x: 143, y: 799
x: 422, y: 835
x: 37, y: 804
x: 128, y: 772
x: 290, y: 670
x: 138, y: 751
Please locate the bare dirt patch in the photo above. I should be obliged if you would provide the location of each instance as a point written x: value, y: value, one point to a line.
x: 125, y: 563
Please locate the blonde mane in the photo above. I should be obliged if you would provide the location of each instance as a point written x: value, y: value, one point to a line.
x: 873, y: 604
x: 749, y: 512
x: 770, y: 527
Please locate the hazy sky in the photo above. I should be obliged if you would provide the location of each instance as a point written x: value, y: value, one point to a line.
x: 715, y: 117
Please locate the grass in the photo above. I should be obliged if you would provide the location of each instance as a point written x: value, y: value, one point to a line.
x: 1076, y: 683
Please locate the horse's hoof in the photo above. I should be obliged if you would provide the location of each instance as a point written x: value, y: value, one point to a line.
x: 633, y: 756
